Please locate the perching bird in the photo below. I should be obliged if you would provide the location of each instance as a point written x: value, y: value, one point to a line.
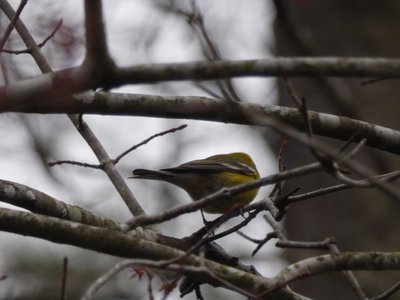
x: 200, y: 178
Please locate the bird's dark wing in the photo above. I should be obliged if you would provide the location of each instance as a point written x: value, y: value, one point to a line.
x: 205, y: 165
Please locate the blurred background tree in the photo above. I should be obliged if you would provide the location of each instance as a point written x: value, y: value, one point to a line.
x: 354, y: 217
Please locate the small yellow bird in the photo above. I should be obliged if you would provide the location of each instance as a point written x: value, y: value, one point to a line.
x: 200, y: 178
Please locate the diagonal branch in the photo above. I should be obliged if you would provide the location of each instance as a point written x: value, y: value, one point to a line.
x: 10, y: 27
x: 35, y: 201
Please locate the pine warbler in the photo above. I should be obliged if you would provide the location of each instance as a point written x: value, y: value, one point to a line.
x: 200, y: 178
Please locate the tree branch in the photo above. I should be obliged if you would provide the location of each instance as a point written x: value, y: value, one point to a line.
x: 339, y: 262
x: 114, y: 242
x: 209, y: 109
x: 35, y: 201
x: 80, y: 79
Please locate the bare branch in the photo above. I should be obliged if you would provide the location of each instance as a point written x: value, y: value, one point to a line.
x: 108, y: 166
x: 285, y: 243
x: 323, y: 191
x: 385, y: 295
x: 41, y: 44
x: 26, y: 37
x: 35, y: 201
x: 210, y: 48
x: 64, y: 279
x: 97, y: 57
x: 52, y: 34
x: 133, y: 245
x: 11, y: 26
x: 338, y: 262
x: 74, y: 163
x: 268, y: 67
x: 202, y: 270
x: 209, y: 109
x: 81, y: 79
x: 95, y: 34
x: 118, y: 158
x: 233, y: 229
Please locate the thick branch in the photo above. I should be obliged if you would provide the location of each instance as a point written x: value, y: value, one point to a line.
x: 151, y: 73
x: 113, y: 242
x: 35, y: 201
x: 339, y: 262
x: 208, y: 109
x: 97, y: 59
x: 267, y: 67
x: 95, y: 35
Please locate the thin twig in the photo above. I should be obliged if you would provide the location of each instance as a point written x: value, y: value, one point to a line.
x: 74, y: 163
x: 51, y: 35
x: 201, y: 235
x: 348, y: 143
x: 11, y: 26
x: 281, y: 205
x: 149, y: 286
x: 323, y: 191
x: 326, y: 162
x: 262, y: 242
x: 281, y: 165
x: 300, y: 103
x: 64, y: 279
x: 234, y: 228
x: 323, y: 159
x: 356, y: 149
x: 285, y: 243
x: 210, y: 49
x: 225, y: 86
x: 329, y: 165
x: 385, y: 295
x: 372, y: 81
x: 207, y: 90
x: 41, y: 44
x: 284, y: 144
x: 118, y: 158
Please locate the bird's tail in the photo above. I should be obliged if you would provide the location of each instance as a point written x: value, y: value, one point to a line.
x: 150, y: 174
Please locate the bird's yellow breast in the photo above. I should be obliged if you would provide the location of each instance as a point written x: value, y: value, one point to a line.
x: 213, y: 183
